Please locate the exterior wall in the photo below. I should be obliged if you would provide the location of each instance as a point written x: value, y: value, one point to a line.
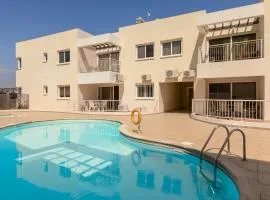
x: 155, y: 32
x: 87, y: 59
x: 170, y: 90
x: 35, y: 74
x: 251, y: 67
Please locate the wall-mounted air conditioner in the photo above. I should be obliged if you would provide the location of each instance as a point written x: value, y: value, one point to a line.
x: 172, y: 73
x: 189, y: 73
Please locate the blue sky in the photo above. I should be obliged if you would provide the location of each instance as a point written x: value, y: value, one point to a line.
x: 21, y: 20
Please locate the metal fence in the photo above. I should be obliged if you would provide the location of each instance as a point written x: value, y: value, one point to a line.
x: 103, y: 105
x: 241, y: 109
x: 232, y: 51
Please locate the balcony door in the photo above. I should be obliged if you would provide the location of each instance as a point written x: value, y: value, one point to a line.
x: 235, y: 91
x: 108, y: 93
x: 219, y: 49
x: 245, y: 46
x: 107, y: 61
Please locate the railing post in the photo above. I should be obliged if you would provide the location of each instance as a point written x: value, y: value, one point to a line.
x: 207, y: 107
x: 261, y: 43
x: 231, y: 49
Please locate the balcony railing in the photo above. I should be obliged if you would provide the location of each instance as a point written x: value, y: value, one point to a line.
x: 233, y: 109
x: 103, y: 105
x: 251, y: 49
x: 108, y: 64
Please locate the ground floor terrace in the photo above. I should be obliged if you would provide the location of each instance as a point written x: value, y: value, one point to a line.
x: 179, y: 130
x: 237, y: 98
x: 150, y: 97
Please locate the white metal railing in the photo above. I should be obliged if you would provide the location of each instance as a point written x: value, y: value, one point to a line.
x: 108, y: 64
x: 241, y: 109
x: 232, y: 51
x: 103, y: 105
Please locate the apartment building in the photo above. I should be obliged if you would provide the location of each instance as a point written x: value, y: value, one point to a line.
x: 214, y: 62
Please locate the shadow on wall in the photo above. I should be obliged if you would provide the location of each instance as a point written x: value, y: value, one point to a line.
x: 170, y: 96
x: 87, y: 60
x: 194, y: 58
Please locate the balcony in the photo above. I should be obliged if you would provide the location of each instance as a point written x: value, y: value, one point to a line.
x: 108, y: 64
x: 104, y: 106
x: 106, y: 71
x: 252, y: 49
x: 229, y: 109
x: 235, y: 59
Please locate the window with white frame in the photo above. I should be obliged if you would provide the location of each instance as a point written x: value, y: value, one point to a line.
x: 64, y: 56
x: 45, y: 57
x: 45, y: 89
x: 144, y: 90
x: 170, y: 48
x: 63, y: 91
x: 145, y: 51
x: 19, y: 63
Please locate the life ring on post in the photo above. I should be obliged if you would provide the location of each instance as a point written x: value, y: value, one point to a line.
x: 139, y: 118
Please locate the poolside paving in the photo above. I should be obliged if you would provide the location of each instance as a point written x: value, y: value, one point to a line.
x: 252, y: 176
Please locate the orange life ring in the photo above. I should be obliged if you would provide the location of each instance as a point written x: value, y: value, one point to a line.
x: 139, y: 119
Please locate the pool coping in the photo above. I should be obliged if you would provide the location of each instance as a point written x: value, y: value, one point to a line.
x: 123, y: 130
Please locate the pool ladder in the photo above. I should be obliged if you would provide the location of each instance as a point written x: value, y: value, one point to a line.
x: 226, y: 142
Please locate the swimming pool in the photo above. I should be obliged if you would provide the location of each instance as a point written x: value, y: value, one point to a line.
x: 90, y: 159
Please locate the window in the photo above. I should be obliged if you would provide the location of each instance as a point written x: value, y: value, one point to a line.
x: 145, y: 90
x: 172, y: 48
x: 64, y: 92
x: 145, y: 51
x: 64, y: 56
x: 45, y: 90
x: 19, y: 63
x: 238, y: 90
x: 219, y: 90
x: 45, y: 57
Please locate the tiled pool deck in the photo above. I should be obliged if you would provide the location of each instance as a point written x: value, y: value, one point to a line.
x: 252, y: 176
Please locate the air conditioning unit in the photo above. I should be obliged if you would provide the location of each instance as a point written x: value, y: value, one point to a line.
x: 119, y: 78
x: 189, y: 73
x: 172, y: 73
x: 146, y: 77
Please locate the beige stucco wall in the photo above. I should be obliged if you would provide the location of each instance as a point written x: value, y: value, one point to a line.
x: 182, y: 26
x: 34, y: 73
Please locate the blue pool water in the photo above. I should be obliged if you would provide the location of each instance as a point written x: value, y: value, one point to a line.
x: 71, y: 159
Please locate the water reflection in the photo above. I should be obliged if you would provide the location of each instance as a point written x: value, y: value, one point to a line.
x: 171, y: 185
x: 145, y: 179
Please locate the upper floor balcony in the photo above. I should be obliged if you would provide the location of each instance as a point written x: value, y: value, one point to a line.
x: 106, y: 71
x: 233, y: 51
x: 232, y: 43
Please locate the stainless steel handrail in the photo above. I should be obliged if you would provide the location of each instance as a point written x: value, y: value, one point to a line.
x: 223, y: 146
x: 209, y: 138
x: 226, y: 142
